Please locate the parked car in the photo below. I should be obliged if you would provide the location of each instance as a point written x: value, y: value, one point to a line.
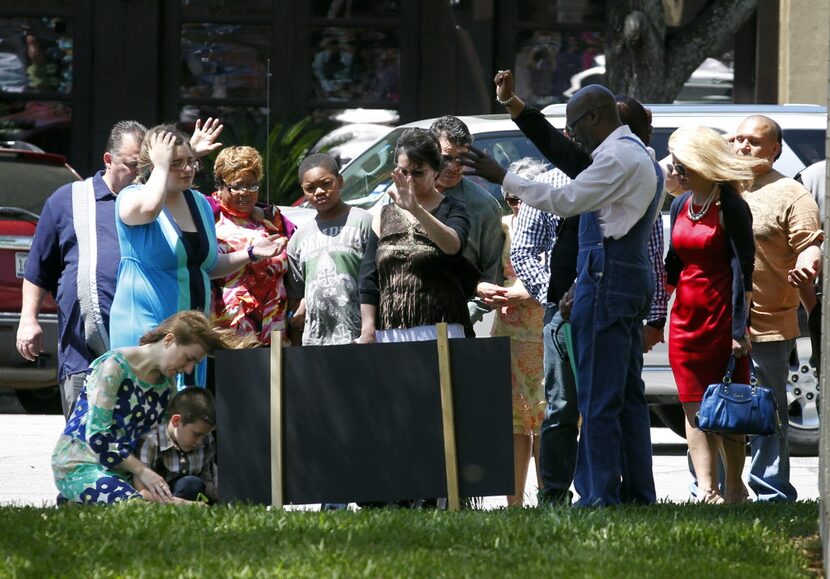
x: 367, y: 178
x: 27, y: 178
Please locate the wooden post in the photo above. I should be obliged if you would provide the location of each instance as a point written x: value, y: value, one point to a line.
x: 276, y: 420
x: 447, y: 417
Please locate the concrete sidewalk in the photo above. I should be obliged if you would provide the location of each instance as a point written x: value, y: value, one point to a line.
x: 26, y: 443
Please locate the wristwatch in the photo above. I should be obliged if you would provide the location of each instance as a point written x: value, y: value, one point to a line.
x: 658, y: 323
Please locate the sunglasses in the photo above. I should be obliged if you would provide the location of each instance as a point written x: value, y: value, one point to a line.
x: 679, y: 169
x: 512, y: 201
x: 416, y: 173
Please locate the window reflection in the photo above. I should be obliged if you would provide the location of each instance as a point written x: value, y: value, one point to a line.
x: 42, y: 123
x: 35, y: 55
x: 355, y: 8
x: 224, y: 60
x: 216, y: 8
x: 550, y: 65
x: 356, y: 64
x: 562, y: 11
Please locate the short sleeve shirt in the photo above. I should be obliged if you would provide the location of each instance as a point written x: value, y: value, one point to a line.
x: 53, y: 265
x: 785, y: 222
x: 324, y: 260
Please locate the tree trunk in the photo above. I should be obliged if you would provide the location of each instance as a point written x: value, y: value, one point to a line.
x: 646, y: 61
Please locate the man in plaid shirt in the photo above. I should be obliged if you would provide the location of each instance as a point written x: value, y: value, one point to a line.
x: 182, y: 448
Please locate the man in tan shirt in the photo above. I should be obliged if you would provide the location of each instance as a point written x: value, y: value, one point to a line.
x: 788, y: 236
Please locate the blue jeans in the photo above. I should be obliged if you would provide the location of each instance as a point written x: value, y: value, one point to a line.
x: 187, y: 487
x: 559, y: 430
x: 769, y: 473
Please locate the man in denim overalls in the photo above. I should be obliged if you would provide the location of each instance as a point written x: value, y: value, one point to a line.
x: 617, y: 198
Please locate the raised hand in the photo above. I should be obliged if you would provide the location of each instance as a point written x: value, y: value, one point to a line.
x: 203, y: 141
x: 162, y: 149
x: 505, y: 84
x: 483, y: 166
x: 403, y: 194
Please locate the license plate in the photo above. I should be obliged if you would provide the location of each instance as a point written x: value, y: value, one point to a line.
x: 20, y: 263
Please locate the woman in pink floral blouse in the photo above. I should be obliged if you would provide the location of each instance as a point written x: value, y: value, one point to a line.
x: 251, y: 301
x: 522, y: 320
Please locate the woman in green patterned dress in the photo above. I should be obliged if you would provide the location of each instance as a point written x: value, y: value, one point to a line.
x: 125, y: 393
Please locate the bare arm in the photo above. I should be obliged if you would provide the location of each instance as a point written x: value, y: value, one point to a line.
x: 138, y: 207
x: 29, y: 332
x: 443, y: 236
x: 368, y: 314
x: 145, y: 477
x: 807, y: 266
x: 227, y: 263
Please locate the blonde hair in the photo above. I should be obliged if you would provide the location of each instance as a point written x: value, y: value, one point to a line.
x: 234, y: 162
x: 145, y: 165
x: 706, y: 152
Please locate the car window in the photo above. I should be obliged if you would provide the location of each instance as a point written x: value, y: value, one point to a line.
x: 367, y: 177
x: 807, y: 144
x: 26, y: 183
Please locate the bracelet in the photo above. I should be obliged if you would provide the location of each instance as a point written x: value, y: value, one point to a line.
x: 508, y: 101
x: 251, y: 255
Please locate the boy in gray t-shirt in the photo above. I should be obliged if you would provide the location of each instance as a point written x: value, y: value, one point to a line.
x: 324, y: 257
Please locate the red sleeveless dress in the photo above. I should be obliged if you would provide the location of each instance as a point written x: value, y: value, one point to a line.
x: 700, y: 332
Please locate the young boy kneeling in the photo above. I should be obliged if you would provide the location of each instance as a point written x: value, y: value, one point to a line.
x: 182, y: 449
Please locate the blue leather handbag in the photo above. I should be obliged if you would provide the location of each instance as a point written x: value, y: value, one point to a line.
x: 729, y: 408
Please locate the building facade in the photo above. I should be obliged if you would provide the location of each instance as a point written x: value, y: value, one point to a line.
x: 70, y: 68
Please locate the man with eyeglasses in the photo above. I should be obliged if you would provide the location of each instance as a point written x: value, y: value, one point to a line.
x: 617, y: 197
x: 75, y: 255
x: 788, y: 236
x: 486, y: 240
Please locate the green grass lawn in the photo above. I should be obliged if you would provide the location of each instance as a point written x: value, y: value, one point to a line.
x: 758, y: 541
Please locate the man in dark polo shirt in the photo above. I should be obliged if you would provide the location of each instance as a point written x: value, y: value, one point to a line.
x: 82, y: 281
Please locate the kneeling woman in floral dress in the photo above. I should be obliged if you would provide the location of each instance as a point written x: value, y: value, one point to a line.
x: 124, y: 396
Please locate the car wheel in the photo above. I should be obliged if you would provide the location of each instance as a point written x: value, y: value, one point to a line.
x: 40, y: 400
x: 803, y: 408
x: 671, y: 415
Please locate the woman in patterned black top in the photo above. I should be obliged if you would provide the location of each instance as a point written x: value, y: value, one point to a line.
x: 413, y: 275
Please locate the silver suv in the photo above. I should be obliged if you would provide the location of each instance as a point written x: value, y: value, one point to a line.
x: 367, y: 177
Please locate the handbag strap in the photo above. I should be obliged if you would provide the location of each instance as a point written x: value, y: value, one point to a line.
x: 730, y: 368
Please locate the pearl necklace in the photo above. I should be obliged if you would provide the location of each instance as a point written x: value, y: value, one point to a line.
x: 698, y: 215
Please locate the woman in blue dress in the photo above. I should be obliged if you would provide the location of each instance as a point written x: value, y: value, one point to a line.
x: 123, y: 398
x: 168, y: 243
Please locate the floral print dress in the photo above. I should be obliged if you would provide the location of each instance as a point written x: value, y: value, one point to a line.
x: 523, y: 325
x: 252, y: 301
x: 114, y: 410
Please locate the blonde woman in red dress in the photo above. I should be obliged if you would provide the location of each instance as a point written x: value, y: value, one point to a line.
x: 709, y: 267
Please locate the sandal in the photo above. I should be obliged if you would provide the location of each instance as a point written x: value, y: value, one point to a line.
x: 712, y: 497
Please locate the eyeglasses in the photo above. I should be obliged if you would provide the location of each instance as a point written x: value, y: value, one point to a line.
x: 416, y: 173
x: 512, y: 201
x: 679, y: 169
x: 181, y: 164
x: 238, y: 188
x: 572, y: 125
